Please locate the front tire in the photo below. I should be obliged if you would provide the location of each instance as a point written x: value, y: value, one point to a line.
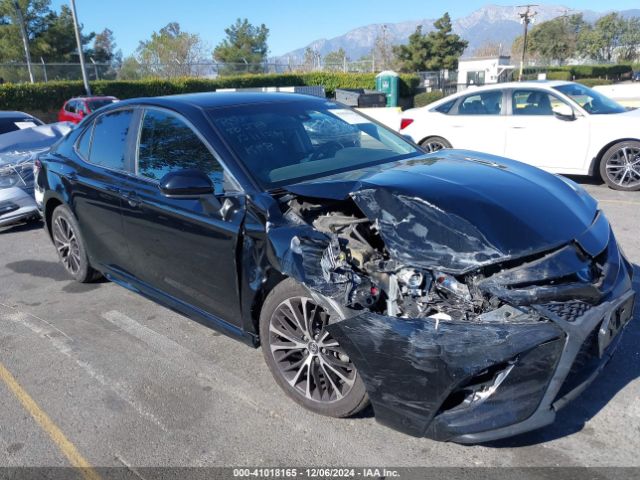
x: 620, y: 166
x: 306, y: 362
x: 434, y: 144
x: 70, y: 246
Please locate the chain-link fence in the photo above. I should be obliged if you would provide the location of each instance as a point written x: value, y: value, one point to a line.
x: 47, y: 72
x: 129, y: 70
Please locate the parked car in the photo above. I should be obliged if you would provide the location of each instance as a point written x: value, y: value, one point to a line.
x: 75, y: 109
x: 18, y: 150
x: 466, y: 296
x: 562, y: 127
x: 12, y: 121
x: 636, y: 76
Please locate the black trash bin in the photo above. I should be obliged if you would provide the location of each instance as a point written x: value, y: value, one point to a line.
x: 359, y: 97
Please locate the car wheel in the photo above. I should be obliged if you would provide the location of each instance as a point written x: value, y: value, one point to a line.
x: 620, y: 166
x: 433, y: 144
x: 70, y: 246
x: 307, y: 363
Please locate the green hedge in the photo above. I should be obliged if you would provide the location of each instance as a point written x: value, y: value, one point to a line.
x: 612, y: 72
x: 50, y: 96
x: 559, y: 76
x: 593, y: 82
x: 426, y: 98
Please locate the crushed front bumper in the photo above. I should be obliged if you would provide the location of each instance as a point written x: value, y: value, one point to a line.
x: 16, y: 204
x: 472, y: 382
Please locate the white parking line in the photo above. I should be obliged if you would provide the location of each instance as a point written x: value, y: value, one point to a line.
x: 214, y: 376
x: 64, y: 345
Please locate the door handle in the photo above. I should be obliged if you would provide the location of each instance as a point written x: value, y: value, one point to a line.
x: 518, y: 127
x: 132, y: 199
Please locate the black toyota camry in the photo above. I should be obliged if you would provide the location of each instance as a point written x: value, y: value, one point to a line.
x: 466, y: 297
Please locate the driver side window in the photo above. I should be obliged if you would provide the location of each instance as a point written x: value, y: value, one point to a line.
x: 168, y: 144
x: 534, y: 102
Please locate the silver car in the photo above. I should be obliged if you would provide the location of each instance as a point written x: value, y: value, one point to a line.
x: 18, y: 150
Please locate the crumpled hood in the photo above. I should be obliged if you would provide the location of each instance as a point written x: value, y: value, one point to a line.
x: 457, y: 210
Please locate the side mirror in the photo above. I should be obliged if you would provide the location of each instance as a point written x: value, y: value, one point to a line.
x: 564, y: 112
x: 186, y: 184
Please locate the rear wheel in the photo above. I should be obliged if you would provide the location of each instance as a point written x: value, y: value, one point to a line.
x: 307, y: 363
x: 620, y: 166
x: 70, y: 245
x: 433, y: 144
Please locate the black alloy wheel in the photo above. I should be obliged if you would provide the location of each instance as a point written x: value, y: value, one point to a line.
x: 306, y: 361
x: 70, y: 246
x: 620, y: 166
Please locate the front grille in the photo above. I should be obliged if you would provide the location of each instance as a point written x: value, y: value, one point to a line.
x: 568, y: 311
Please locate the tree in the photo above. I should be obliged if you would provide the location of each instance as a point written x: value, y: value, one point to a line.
x: 104, y: 47
x: 555, y: 40
x: 382, y: 52
x: 601, y: 40
x: 630, y: 41
x: 245, y: 47
x: 130, y: 69
x: 35, y: 14
x: 436, y: 50
x: 57, y: 43
x: 170, y: 52
x: 334, y: 61
x: 310, y: 60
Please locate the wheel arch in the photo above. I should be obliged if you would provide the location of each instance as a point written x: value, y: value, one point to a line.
x: 273, y: 279
x: 50, y: 204
x: 594, y: 168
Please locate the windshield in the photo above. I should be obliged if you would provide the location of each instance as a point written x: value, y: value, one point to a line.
x: 592, y: 101
x: 18, y: 123
x: 96, y: 104
x: 285, y: 143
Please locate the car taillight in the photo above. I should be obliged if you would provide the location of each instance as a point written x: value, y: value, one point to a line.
x: 405, y: 122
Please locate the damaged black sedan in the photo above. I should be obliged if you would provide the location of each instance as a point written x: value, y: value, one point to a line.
x: 466, y: 297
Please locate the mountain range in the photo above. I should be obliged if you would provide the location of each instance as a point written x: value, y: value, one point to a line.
x: 491, y: 24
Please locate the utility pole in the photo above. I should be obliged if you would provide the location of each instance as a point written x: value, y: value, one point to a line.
x: 80, y: 52
x: 525, y: 18
x: 25, y: 39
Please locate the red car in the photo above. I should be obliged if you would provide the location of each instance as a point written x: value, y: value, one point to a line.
x: 75, y: 109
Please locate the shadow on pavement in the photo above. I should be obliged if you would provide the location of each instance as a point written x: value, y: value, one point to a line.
x: 22, y: 227
x: 621, y: 370
x: 585, y: 180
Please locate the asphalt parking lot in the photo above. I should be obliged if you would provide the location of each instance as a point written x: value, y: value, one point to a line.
x: 126, y: 382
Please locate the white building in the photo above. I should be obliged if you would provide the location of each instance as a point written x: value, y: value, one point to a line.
x: 484, y: 71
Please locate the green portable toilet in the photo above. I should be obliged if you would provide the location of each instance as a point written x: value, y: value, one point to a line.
x: 389, y: 83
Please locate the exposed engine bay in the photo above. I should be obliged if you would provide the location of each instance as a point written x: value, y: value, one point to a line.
x: 357, y: 257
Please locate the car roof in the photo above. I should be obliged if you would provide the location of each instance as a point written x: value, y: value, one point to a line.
x: 208, y: 100
x: 91, y: 97
x: 13, y: 114
x: 506, y: 85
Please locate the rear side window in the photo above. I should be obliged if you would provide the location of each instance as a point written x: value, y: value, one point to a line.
x: 446, y: 107
x: 168, y: 144
x: 484, y: 103
x: 84, y: 144
x: 109, y: 144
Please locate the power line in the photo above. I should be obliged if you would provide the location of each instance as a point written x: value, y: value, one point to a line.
x: 526, y: 18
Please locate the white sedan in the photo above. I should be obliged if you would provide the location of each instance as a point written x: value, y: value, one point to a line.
x: 562, y: 127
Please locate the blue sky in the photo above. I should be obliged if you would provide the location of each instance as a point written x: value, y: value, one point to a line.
x: 293, y: 24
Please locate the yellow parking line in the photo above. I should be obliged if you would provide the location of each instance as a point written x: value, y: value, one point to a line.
x: 65, y: 446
